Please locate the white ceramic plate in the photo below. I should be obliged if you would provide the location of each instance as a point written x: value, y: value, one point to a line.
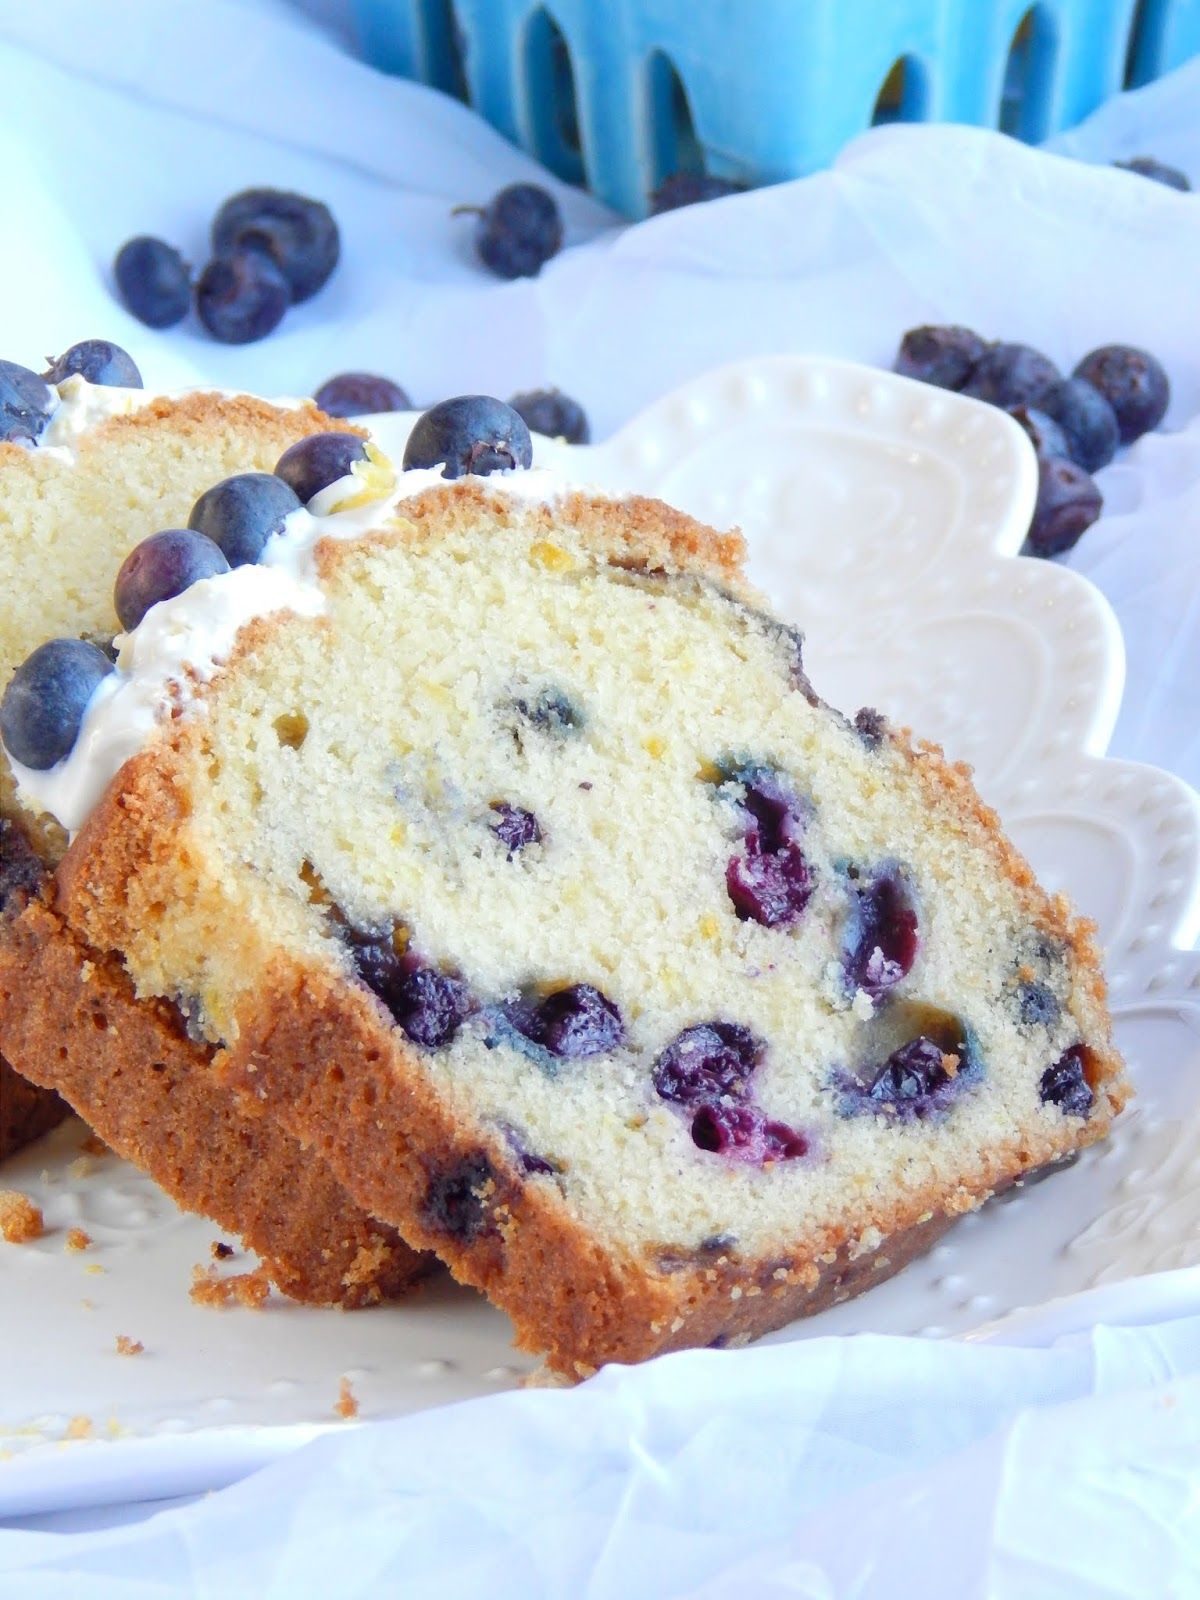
x: 885, y: 517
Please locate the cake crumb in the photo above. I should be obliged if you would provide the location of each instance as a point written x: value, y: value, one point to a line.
x: 94, y: 1269
x: 88, y: 1305
x: 94, y: 1145
x: 20, y: 1219
x: 220, y: 1250
x: 81, y: 1167
x: 129, y: 1347
x: 246, y: 1289
x: 347, y: 1405
x: 79, y: 1428
x: 77, y: 1239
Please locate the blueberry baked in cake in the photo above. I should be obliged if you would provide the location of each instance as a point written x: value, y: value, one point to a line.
x: 87, y: 470
x: 504, y: 854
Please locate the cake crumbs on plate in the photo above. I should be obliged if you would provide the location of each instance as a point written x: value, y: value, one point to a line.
x: 347, y: 1404
x: 20, y: 1219
x: 94, y: 1269
x: 94, y: 1145
x: 77, y: 1239
x: 82, y: 1167
x: 221, y: 1251
x: 80, y: 1427
x: 246, y: 1289
x: 129, y: 1347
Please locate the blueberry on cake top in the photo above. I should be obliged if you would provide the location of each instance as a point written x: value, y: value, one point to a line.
x: 86, y: 474
x: 523, y: 876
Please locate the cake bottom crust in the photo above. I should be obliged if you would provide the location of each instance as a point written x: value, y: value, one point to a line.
x: 26, y: 1111
x: 70, y: 1021
x: 320, y: 1057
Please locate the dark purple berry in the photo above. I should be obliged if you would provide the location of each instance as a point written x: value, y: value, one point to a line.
x: 240, y: 514
x: 880, y: 940
x: 45, y: 699
x: 1010, y: 375
x: 22, y: 871
x: 98, y: 361
x: 161, y: 567
x: 771, y: 882
x: 241, y: 297
x: 769, y: 889
x: 922, y: 1077
x: 1088, y: 422
x: 1068, y: 502
x: 1045, y: 435
x: 1064, y: 1084
x: 743, y: 1134
x: 26, y: 402
x: 1134, y: 384
x: 359, y: 394
x: 576, y: 1022
x: 689, y: 189
x: 471, y: 434
x: 430, y: 1006
x: 871, y: 726
x: 298, y: 235
x: 514, y: 827
x: 937, y: 355
x: 518, y: 231
x: 910, y: 1074
x: 1158, y: 171
x: 550, y: 412
x: 529, y: 1161
x: 1038, y: 1005
x: 710, y: 1061
x: 153, y: 280
x: 312, y: 464
x: 783, y: 1143
x: 455, y: 1201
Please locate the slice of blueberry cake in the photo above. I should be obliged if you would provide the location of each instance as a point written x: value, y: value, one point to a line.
x: 87, y: 470
x: 507, y: 857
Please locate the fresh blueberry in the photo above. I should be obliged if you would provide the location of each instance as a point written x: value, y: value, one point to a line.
x: 1010, y: 375
x: 943, y: 356
x: 518, y: 231
x: 312, y: 464
x: 22, y: 871
x: 1064, y: 1084
x: 153, y: 280
x: 1087, y: 421
x: 1133, y: 383
x: 161, y: 567
x: 574, y: 1023
x: 709, y: 1061
x: 240, y: 514
x: 1068, y: 502
x: 880, y: 939
x: 455, y: 1199
x: 514, y: 827
x: 1038, y: 1005
x: 26, y: 402
x: 1158, y: 171
x: 689, y: 189
x: 241, y: 297
x: 771, y: 882
x: 298, y: 235
x: 46, y: 697
x: 359, y: 394
x: 97, y: 361
x: 1044, y: 433
x: 552, y: 413
x: 471, y: 434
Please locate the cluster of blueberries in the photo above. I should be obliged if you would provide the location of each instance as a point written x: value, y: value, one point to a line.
x: 44, y: 703
x: 1115, y: 395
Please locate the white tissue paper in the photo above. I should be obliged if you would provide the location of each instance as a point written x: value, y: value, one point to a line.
x: 1055, y: 1463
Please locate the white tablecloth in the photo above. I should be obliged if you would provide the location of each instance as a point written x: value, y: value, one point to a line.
x: 866, y: 1467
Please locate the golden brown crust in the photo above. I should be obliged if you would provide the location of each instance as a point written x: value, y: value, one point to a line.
x: 395, y: 1143
x: 68, y: 1016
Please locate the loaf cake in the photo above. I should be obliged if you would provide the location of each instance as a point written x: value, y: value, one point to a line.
x: 112, y: 466
x: 506, y: 856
